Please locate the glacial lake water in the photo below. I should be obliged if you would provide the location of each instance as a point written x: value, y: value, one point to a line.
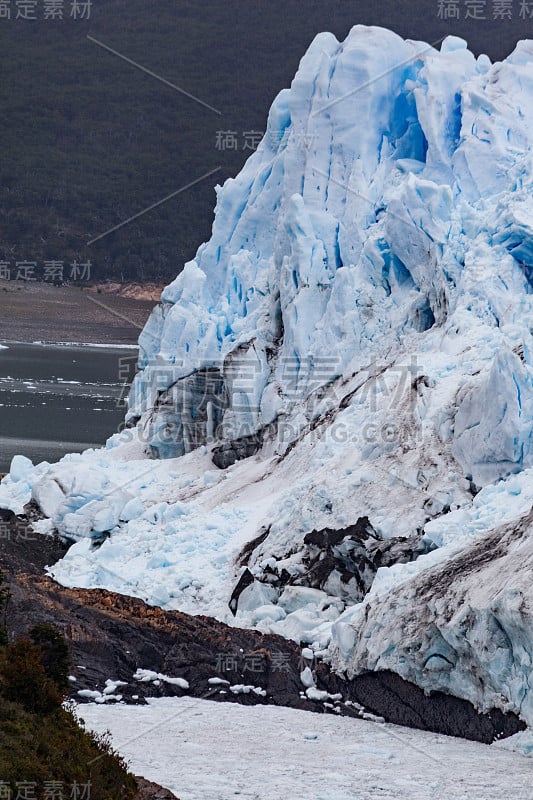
x: 56, y: 399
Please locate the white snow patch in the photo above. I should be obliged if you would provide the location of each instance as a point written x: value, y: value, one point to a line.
x: 168, y: 741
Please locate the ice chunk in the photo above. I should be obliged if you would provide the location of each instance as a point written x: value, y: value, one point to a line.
x: 20, y: 466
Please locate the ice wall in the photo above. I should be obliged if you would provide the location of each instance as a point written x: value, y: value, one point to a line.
x: 390, y: 195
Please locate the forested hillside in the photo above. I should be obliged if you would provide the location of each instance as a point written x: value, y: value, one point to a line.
x: 90, y: 140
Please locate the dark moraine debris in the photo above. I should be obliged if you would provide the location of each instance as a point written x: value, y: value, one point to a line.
x: 6, y: 515
x: 249, y: 548
x: 388, y: 695
x: 245, y: 580
x: 228, y: 453
x: 341, y: 562
x: 344, y: 562
x: 233, y: 450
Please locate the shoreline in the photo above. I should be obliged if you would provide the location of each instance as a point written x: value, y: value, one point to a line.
x: 69, y: 316
x: 6, y: 343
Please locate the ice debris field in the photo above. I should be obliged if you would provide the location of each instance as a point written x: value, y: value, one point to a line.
x: 335, y: 397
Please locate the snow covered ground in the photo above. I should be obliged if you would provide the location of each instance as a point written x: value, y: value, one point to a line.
x: 203, y: 750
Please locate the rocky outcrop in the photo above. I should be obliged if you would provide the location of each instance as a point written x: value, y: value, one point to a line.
x: 403, y: 703
x: 146, y: 790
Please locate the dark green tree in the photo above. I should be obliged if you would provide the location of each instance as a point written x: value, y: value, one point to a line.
x: 23, y: 678
x: 55, y: 654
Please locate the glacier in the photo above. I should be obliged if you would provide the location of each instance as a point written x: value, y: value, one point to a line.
x: 330, y: 434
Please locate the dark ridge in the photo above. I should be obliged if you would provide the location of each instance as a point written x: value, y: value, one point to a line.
x: 403, y: 703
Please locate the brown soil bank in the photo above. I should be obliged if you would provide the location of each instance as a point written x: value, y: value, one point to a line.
x: 32, y: 311
x: 134, y: 291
